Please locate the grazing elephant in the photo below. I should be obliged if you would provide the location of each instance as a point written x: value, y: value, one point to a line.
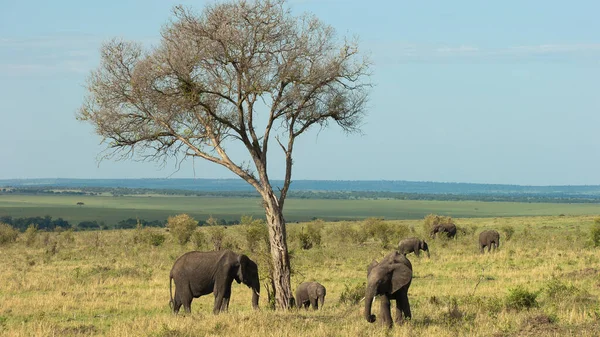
x: 201, y: 273
x: 310, y: 293
x: 390, y: 278
x: 412, y: 245
x: 490, y: 239
x: 448, y: 228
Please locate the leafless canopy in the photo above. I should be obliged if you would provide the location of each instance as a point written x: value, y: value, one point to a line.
x: 246, y: 71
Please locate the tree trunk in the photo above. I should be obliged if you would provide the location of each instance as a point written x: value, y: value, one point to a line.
x: 279, y: 252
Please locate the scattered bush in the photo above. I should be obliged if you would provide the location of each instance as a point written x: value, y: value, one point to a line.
x: 7, y: 233
x: 379, y: 230
x: 520, y: 298
x: 217, y: 236
x: 311, y: 235
x: 432, y: 220
x: 508, y: 231
x: 148, y: 236
x: 595, y: 233
x: 199, y: 239
x: 30, y: 235
x: 255, y: 232
x: 353, y: 294
x: 181, y: 227
x: 558, y: 291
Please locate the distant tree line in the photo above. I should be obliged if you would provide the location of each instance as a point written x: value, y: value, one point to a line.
x: 556, y: 197
x: 46, y: 223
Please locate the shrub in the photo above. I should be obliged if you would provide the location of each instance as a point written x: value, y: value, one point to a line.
x: 353, y: 294
x: 148, y: 236
x: 217, y: 236
x: 30, y: 235
x: 182, y: 226
x: 432, y: 220
x: 508, y: 231
x: 7, y: 233
x: 199, y: 239
x: 379, y: 230
x: 520, y: 298
x: 595, y: 233
x: 255, y: 232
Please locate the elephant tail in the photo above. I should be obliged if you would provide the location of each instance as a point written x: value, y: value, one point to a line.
x: 171, y: 303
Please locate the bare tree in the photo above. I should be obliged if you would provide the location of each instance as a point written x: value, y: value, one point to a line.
x: 240, y: 72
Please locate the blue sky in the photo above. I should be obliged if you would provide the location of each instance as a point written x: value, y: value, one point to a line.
x: 466, y: 91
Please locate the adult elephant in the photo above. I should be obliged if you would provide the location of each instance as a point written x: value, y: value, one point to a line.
x: 390, y: 278
x: 310, y: 293
x: 200, y: 273
x: 448, y: 228
x: 412, y: 245
x: 490, y: 239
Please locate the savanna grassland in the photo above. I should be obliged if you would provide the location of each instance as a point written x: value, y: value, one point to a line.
x: 543, y: 281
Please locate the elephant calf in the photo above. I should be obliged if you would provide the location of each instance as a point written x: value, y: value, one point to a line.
x: 489, y: 238
x: 412, y: 245
x: 310, y: 293
x: 448, y: 228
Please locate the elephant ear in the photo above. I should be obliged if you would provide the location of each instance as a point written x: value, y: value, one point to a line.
x: 243, y: 262
x: 401, y: 276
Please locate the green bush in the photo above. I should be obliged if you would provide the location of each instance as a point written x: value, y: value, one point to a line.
x: 432, y: 220
x: 30, y: 235
x: 181, y: 227
x: 379, y: 230
x: 520, y: 298
x: 595, y: 232
x: 508, y: 231
x: 353, y: 294
x: 310, y: 236
x: 217, y: 236
x: 148, y: 236
x: 199, y: 239
x: 256, y: 233
x: 7, y: 233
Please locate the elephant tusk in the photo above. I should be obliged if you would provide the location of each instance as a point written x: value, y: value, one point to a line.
x: 256, y: 292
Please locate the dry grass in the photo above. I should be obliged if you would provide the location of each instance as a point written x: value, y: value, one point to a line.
x: 103, y: 283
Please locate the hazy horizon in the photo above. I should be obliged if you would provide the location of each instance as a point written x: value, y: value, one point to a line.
x: 469, y: 92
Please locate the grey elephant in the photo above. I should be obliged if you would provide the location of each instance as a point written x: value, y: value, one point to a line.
x: 448, y: 228
x: 310, y: 293
x: 412, y: 245
x: 201, y: 273
x: 490, y: 239
x: 390, y: 278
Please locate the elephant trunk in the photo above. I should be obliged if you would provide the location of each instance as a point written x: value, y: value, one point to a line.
x: 255, y: 296
x: 427, y: 251
x: 369, y: 302
x: 321, y: 301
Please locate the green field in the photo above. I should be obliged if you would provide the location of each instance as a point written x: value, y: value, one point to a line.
x: 114, y: 209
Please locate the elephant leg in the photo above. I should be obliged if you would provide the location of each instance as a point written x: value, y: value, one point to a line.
x: 219, y: 295
x: 183, y: 296
x: 481, y: 247
x: 403, y: 305
x: 225, y: 304
x: 176, y: 303
x: 314, y: 304
x: 489, y: 247
x: 384, y: 311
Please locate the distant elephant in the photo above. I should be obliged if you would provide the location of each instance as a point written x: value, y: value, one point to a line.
x: 448, y: 228
x: 310, y: 293
x: 390, y: 278
x: 490, y: 239
x: 201, y: 273
x: 412, y: 245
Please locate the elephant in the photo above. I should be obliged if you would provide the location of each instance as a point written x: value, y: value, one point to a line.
x: 200, y: 273
x: 391, y: 278
x: 410, y: 245
x: 310, y: 293
x: 490, y: 239
x: 448, y: 228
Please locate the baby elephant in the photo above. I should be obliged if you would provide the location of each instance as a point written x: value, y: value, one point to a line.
x: 312, y: 293
x: 489, y: 238
x: 412, y: 245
